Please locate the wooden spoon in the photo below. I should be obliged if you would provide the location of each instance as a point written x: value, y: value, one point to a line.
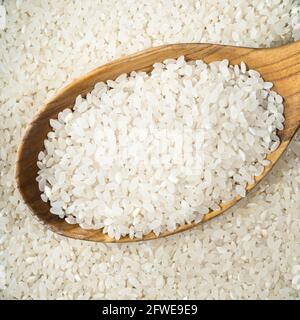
x: 278, y: 65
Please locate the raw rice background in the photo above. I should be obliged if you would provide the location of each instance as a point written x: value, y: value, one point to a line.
x: 252, y: 251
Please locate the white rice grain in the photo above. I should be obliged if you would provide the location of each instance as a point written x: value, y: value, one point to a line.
x: 46, y: 44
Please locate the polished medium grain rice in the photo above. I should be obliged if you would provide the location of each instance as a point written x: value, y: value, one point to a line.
x: 45, y: 45
x: 149, y: 152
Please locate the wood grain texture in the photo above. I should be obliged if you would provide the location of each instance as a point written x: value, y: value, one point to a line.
x: 278, y: 65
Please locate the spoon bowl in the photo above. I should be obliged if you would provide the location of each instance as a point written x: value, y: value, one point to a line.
x: 281, y: 66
